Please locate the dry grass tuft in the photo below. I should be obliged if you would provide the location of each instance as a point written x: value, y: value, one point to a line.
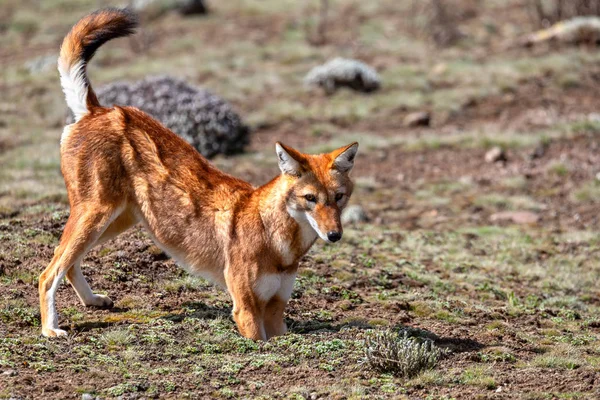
x: 400, y: 354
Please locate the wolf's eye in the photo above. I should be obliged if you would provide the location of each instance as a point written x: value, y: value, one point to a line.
x: 339, y: 196
x: 310, y: 197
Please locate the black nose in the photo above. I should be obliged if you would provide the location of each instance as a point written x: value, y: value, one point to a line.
x: 334, y: 236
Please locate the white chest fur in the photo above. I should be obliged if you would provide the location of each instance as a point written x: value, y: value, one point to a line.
x: 281, y: 285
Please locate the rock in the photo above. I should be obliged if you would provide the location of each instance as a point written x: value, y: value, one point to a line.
x: 87, y: 396
x: 539, y: 151
x: 517, y: 217
x: 10, y: 372
x: 191, y: 7
x: 495, y: 154
x: 354, y: 214
x: 419, y: 118
x: 202, y: 118
x: 598, y: 176
x: 466, y: 180
x: 343, y: 72
x: 153, y: 9
x: 440, y: 69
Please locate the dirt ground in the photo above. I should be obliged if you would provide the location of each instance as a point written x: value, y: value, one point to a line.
x: 515, y: 303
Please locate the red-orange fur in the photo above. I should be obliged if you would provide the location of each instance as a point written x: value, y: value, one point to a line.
x: 121, y: 167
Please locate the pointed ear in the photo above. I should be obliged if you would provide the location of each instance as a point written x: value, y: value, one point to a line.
x: 290, y: 160
x: 343, y: 158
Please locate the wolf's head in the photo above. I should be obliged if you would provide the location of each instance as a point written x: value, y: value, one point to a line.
x: 320, y: 187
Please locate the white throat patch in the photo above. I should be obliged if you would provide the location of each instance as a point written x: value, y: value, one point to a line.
x: 308, y: 231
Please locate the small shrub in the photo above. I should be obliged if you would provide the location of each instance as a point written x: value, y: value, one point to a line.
x: 120, y: 337
x: 342, y: 72
x: 401, y: 354
x: 543, y: 13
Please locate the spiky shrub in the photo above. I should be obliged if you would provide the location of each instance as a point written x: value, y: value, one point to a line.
x: 203, y: 119
x: 400, y: 354
x: 343, y: 72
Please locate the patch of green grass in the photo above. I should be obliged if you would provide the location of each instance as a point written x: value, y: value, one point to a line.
x: 430, y: 378
x: 132, y: 302
x: 18, y: 313
x: 187, y: 283
x: 586, y: 126
x: 500, y: 201
x: 478, y: 376
x: 128, y: 387
x: 496, y: 354
x: 556, y: 361
x: 588, y: 192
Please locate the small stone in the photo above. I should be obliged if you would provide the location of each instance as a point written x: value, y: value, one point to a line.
x: 87, y: 396
x: 517, y: 217
x: 10, y: 372
x: 345, y: 305
x: 354, y: 214
x: 419, y: 118
x: 440, y: 69
x: 192, y: 7
x: 598, y: 176
x: 466, y: 180
x: 538, y: 152
x: 495, y: 154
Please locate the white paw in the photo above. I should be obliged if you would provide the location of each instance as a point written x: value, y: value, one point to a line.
x: 100, y: 300
x: 53, y: 332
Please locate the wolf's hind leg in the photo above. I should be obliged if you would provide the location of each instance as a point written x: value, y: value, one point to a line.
x: 81, y: 232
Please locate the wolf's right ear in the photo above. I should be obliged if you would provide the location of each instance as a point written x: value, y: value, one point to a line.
x: 290, y: 161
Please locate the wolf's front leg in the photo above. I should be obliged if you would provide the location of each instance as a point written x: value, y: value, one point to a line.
x: 274, y: 323
x: 248, y: 308
x: 249, y: 318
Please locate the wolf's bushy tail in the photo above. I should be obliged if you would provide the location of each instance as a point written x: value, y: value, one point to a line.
x: 79, y: 46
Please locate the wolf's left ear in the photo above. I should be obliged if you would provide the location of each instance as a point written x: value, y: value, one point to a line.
x: 343, y: 158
